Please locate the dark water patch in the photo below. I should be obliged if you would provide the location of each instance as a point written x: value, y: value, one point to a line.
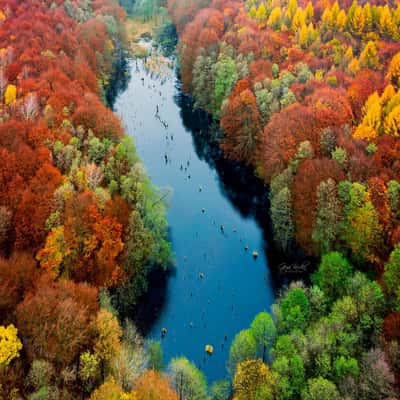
x: 120, y: 76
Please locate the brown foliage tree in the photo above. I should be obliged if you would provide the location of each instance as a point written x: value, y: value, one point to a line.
x: 55, y: 321
x: 241, y: 124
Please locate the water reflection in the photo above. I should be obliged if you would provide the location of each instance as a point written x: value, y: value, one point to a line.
x: 120, y: 77
x: 237, y: 182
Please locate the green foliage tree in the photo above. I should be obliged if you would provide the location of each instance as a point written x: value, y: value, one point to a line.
x: 155, y: 353
x: 344, y: 367
x: 41, y: 374
x: 393, y: 190
x: 282, y: 218
x: 243, y: 347
x: 225, y: 78
x: 97, y: 149
x: 290, y: 373
x: 89, y: 368
x: 328, y: 216
x: 391, y: 277
x: 139, y: 246
x: 188, y: 381
x: 220, y: 390
x: 320, y: 389
x: 264, y: 332
x: 203, y: 80
x: 332, y: 275
x: 295, y: 310
x: 360, y: 227
x: 145, y: 9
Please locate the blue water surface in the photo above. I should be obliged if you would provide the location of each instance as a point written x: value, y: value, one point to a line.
x: 215, y: 212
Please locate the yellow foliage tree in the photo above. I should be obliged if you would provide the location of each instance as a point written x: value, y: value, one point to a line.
x: 312, y: 34
x: 371, y: 123
x: 261, y: 14
x: 253, y: 12
x: 357, y: 21
x: 369, y: 56
x: 396, y: 15
x: 381, y: 115
x: 335, y: 10
x: 388, y: 94
x: 10, y: 345
x: 54, y: 251
x: 298, y: 20
x: 367, y: 16
x: 348, y: 55
x: 386, y: 25
x: 274, y: 18
x: 341, y: 20
x: 10, y: 96
x: 392, y: 122
x: 250, y: 377
x: 373, y: 112
x: 129, y: 396
x: 109, y: 390
x: 327, y: 18
x: 309, y: 12
x: 108, y: 335
x: 303, y: 36
x: 354, y: 66
x: 365, y: 132
x: 291, y: 9
x: 394, y: 70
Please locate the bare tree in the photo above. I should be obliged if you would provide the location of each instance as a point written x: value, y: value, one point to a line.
x: 30, y: 106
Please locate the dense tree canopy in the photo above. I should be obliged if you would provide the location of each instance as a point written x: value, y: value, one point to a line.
x: 73, y: 207
x: 306, y: 92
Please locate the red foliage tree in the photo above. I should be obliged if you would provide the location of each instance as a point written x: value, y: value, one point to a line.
x: 203, y: 32
x: 241, y: 124
x: 18, y: 275
x: 94, y: 243
x: 304, y: 191
x: 281, y: 137
x: 379, y: 198
x: 35, y: 207
x: 387, y: 157
x: 391, y: 326
x: 361, y: 87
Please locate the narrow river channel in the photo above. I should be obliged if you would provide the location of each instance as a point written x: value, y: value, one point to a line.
x: 215, y: 213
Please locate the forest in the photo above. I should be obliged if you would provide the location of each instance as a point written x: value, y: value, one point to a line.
x: 81, y: 225
x: 307, y: 94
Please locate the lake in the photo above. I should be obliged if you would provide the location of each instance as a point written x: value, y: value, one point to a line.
x: 217, y: 216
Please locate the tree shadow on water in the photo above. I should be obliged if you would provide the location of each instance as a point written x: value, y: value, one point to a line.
x: 245, y: 191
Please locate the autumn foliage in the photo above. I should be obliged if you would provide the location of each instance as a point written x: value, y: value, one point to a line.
x: 312, y: 94
x: 69, y: 199
x: 311, y: 99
